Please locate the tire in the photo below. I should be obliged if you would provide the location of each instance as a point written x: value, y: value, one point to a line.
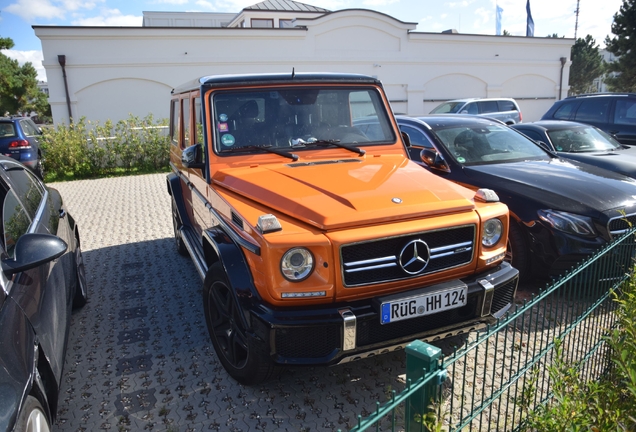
x: 176, y: 224
x: 243, y: 357
x: 32, y: 417
x: 81, y: 287
x: 517, y: 253
x: 39, y: 169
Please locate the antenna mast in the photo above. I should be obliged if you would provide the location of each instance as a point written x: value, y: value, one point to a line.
x: 576, y: 25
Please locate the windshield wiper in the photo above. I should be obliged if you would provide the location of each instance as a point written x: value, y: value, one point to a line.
x: 300, y: 143
x: 267, y: 148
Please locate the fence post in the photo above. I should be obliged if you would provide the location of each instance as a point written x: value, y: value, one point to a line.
x: 421, y: 359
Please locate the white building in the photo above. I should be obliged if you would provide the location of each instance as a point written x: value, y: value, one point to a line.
x: 114, y: 71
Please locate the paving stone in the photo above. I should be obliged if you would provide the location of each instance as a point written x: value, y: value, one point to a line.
x: 139, y: 355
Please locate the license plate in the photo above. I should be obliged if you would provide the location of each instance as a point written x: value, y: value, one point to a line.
x: 425, y: 304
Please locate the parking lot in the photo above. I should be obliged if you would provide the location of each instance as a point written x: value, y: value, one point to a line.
x: 139, y: 355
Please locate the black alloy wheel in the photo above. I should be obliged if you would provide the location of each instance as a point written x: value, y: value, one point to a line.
x: 242, y: 356
x: 81, y: 288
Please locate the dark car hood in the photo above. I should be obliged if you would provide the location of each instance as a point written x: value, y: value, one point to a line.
x: 558, y: 185
x: 622, y: 161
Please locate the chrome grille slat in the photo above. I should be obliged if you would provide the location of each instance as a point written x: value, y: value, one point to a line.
x: 378, y: 261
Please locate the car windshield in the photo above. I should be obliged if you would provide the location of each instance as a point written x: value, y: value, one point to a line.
x: 448, y: 107
x: 299, y: 118
x: 582, y: 139
x: 483, y: 144
x: 7, y: 130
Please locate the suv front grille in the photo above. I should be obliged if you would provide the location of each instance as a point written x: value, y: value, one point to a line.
x: 619, y: 225
x: 407, y: 256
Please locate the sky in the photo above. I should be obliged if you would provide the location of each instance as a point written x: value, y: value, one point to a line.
x: 466, y: 16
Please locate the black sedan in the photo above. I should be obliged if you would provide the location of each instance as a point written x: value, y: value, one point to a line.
x: 583, y: 143
x: 42, y: 279
x: 560, y: 211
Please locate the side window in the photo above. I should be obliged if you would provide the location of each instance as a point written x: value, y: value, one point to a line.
x: 185, y: 109
x: 27, y: 189
x: 418, y: 138
x: 564, y: 111
x: 262, y: 23
x: 593, y: 110
x: 487, y: 107
x: 198, y: 121
x: 470, y: 108
x: 533, y: 135
x: 15, y: 222
x: 28, y: 129
x: 174, y: 124
x: 625, y: 112
x: 505, y: 105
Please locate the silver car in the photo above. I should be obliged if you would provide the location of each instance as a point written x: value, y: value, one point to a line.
x: 503, y: 109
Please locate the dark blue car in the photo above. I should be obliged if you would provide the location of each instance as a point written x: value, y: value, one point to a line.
x: 560, y: 211
x: 20, y: 140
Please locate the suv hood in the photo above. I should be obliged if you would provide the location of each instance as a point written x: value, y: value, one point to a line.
x: 348, y: 192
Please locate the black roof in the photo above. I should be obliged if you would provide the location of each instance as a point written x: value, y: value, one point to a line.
x: 276, y: 78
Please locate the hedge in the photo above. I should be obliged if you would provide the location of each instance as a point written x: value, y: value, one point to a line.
x: 89, y: 149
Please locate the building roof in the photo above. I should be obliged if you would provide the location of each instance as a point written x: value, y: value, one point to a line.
x: 284, y: 6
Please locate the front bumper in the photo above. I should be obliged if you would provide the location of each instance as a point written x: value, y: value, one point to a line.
x: 349, y: 331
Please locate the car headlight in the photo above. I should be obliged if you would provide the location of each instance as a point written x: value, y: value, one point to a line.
x: 297, y: 264
x: 491, y: 232
x: 568, y: 222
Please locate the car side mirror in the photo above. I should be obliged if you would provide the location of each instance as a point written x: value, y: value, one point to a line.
x: 32, y: 250
x: 192, y: 157
x: 406, y: 138
x: 433, y: 159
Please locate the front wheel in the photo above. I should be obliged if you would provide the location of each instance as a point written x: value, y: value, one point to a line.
x: 243, y: 357
x: 32, y: 417
x: 81, y: 287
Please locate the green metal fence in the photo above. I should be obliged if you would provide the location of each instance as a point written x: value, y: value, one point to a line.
x: 500, y: 374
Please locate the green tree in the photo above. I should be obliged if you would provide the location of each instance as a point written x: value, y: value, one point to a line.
x: 587, y: 65
x: 623, y: 46
x: 19, y: 91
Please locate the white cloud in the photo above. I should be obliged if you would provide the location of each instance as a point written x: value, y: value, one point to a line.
x: 173, y: 2
x: 378, y: 3
x: 30, y: 10
x: 35, y: 57
x: 110, y: 18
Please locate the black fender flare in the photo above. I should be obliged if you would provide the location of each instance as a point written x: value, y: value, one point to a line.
x: 219, y: 247
x: 173, y: 182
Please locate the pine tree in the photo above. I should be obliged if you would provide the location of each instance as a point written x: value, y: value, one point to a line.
x: 587, y: 65
x: 623, y: 46
x: 19, y: 91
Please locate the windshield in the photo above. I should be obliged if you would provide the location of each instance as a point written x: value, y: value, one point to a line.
x: 289, y: 118
x: 481, y: 144
x: 448, y: 107
x: 582, y: 139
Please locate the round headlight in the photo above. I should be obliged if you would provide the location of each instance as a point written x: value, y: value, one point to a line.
x: 491, y: 232
x: 297, y: 264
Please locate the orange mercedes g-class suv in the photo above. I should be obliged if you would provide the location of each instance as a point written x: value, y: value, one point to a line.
x: 317, y: 239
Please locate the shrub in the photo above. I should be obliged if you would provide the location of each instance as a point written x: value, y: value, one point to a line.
x: 603, y: 405
x: 84, y: 149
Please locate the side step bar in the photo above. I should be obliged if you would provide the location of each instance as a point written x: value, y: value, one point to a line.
x: 194, y: 249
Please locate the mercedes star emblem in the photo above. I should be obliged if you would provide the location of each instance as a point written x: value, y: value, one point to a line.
x: 414, y: 257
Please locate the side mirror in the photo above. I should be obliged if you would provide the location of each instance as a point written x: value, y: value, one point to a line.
x: 406, y: 138
x: 192, y: 157
x: 33, y: 250
x: 433, y: 159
